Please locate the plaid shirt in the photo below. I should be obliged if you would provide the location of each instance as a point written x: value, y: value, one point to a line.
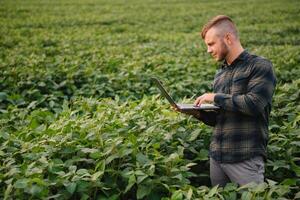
x: 244, y: 92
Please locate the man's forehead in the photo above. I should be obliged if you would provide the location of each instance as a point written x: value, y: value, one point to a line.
x: 211, y: 34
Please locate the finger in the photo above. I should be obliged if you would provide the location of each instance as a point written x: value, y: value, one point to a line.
x: 197, y: 101
x: 201, y: 100
x: 174, y: 108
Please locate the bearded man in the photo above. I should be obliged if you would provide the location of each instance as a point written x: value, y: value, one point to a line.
x: 243, y: 88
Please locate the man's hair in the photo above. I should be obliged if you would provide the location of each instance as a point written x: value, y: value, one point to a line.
x: 223, y: 22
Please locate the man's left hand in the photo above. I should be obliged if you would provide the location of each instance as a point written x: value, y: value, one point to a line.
x: 205, y: 98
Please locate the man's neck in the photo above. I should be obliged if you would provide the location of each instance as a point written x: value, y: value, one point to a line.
x: 234, y: 53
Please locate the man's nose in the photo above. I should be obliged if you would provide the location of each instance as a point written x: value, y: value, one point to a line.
x: 209, y: 50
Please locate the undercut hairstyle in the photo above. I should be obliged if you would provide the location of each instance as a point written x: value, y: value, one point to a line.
x: 223, y: 23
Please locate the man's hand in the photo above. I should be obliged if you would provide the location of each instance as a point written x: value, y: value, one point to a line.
x: 205, y: 98
x: 175, y: 108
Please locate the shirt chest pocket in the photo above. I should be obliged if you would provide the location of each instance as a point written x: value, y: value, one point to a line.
x: 240, y: 84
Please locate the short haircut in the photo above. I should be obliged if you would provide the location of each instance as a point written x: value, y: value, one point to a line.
x: 221, y: 21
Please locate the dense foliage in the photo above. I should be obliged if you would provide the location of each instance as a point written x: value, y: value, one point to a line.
x: 80, y: 118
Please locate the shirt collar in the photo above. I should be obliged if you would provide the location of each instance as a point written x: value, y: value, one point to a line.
x: 243, y: 56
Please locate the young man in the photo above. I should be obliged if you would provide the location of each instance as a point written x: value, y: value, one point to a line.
x: 243, y: 89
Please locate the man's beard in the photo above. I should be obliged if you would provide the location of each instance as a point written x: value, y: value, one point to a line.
x: 224, y: 52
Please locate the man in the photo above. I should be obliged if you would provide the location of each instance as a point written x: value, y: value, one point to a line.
x: 243, y: 89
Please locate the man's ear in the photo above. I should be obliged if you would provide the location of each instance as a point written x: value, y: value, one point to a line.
x: 228, y: 38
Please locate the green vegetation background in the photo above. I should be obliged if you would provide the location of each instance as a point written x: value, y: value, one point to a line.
x: 80, y: 119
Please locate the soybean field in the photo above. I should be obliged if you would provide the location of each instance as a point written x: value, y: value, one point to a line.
x: 81, y: 119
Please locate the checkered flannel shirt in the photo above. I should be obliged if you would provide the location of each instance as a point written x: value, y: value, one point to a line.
x: 244, y: 92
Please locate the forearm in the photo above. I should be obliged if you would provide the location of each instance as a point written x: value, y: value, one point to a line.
x: 250, y: 104
x: 208, y: 118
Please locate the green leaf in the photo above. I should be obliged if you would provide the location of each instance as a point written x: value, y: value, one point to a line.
x: 296, y: 143
x: 83, y: 172
x: 230, y: 187
x: 32, y: 105
x: 101, y: 166
x: 56, y: 196
x: 189, y: 194
x: 21, y: 183
x: 297, y: 196
x: 112, y: 197
x: 89, y: 150
x: 8, y: 191
x: 231, y: 195
x: 142, y: 159
x: 140, y: 175
x: 213, y: 191
x: 39, y: 181
x: 34, y: 124
x: 282, y: 190
x: 35, y: 190
x: 202, y: 155
x: 271, y: 182
x: 194, y: 135
x: 172, y: 157
x: 295, y: 168
x: 156, y: 145
x: 131, y: 182
x: 83, y: 186
x: 4, y: 135
x: 260, y: 188
x: 246, y: 195
x: 96, y: 175
x: 111, y: 158
x: 71, y: 187
x: 289, y: 182
x: 3, y: 96
x: 177, y: 195
x: 143, y: 191
x: 95, y: 155
x: 84, y: 197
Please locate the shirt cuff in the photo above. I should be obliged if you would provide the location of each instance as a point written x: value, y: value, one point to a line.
x: 219, y: 99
